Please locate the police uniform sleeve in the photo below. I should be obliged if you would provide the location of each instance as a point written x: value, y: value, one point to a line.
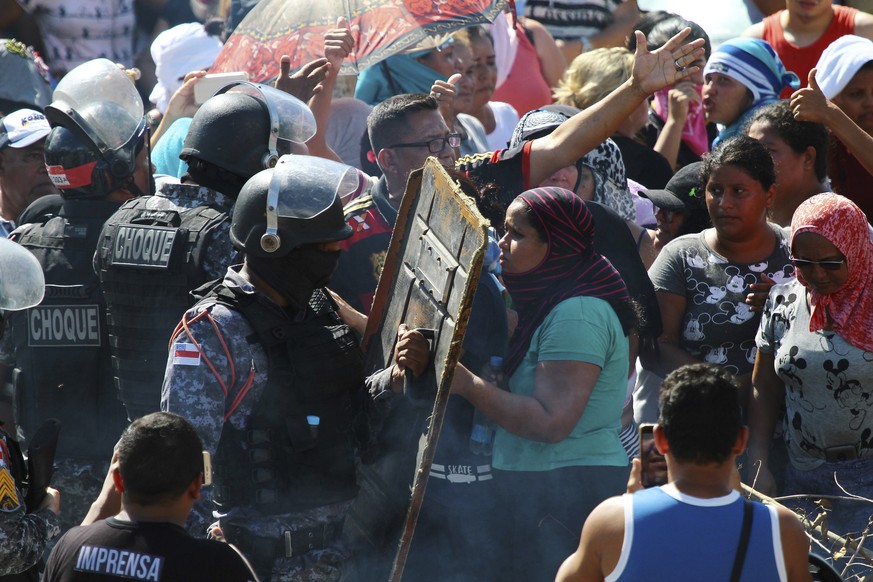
x: 209, y: 364
x: 23, y: 536
x: 221, y: 253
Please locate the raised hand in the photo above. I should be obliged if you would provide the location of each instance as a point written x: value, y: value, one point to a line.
x: 338, y: 43
x: 680, y: 97
x: 810, y: 103
x: 667, y: 65
x: 304, y: 83
x: 444, y: 92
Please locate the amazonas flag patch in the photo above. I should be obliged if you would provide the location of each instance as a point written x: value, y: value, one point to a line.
x: 185, y: 354
x: 8, y: 494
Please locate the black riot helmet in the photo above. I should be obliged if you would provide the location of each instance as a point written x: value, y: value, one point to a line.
x: 76, y: 167
x: 243, y: 130
x: 296, y: 203
x: 101, y: 113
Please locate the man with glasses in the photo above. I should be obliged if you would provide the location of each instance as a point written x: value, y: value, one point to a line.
x: 404, y: 131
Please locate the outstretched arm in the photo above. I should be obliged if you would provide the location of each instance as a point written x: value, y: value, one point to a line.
x: 559, y: 398
x: 585, y: 130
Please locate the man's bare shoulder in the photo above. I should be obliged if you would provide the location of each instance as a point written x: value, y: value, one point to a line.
x: 608, y: 517
x: 755, y: 31
x: 864, y: 24
x: 600, y: 545
x: 795, y: 545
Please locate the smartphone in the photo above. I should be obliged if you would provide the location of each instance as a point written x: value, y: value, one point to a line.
x: 654, y: 466
x: 208, y: 85
x: 207, y: 468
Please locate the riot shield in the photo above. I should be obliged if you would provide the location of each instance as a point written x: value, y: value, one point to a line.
x: 430, y: 275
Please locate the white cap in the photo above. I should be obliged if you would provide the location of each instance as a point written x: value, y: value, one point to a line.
x: 22, y: 128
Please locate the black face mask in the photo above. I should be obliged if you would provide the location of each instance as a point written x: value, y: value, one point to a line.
x: 296, y: 275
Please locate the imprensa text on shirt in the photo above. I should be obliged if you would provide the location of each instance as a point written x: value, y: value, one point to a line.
x: 119, y: 563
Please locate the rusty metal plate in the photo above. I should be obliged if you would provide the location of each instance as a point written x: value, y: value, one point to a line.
x: 431, y: 271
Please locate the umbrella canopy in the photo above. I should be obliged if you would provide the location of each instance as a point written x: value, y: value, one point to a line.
x: 380, y: 28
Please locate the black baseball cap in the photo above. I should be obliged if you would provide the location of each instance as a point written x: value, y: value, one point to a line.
x: 683, y: 192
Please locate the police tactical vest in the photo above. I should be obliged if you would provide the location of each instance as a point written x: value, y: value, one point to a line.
x: 63, y: 367
x: 149, y: 260
x: 279, y: 462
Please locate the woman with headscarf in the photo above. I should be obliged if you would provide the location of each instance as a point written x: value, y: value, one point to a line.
x: 677, y: 126
x: 446, y: 72
x: 838, y: 96
x: 412, y: 72
x: 556, y: 451
x: 740, y: 76
x: 815, y: 361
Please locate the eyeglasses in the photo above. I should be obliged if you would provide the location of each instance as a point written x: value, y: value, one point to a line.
x: 434, y: 146
x: 826, y: 265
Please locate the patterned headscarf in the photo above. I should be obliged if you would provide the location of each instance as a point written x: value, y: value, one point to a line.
x: 571, y: 268
x: 610, y: 180
x: 850, y: 307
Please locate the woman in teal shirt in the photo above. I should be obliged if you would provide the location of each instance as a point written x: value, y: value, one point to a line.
x: 556, y: 452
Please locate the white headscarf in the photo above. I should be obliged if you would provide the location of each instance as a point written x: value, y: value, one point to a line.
x: 177, y: 52
x: 840, y: 62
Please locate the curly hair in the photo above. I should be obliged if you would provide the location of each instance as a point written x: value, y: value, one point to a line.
x: 700, y: 413
x: 593, y: 75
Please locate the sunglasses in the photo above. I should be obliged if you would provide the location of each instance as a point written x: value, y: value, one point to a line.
x: 826, y: 265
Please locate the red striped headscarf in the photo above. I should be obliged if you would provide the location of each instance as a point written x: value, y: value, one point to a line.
x: 571, y: 268
x: 850, y: 307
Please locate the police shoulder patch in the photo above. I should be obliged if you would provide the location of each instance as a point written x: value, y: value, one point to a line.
x: 186, y: 354
x: 8, y: 494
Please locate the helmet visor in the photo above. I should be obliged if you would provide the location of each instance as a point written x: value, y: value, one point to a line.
x: 22, y: 282
x: 306, y: 187
x: 106, y: 99
x: 289, y: 116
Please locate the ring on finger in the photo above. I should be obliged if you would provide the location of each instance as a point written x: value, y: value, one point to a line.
x: 679, y: 67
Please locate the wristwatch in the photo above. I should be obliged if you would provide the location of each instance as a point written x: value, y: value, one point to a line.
x: 586, y: 43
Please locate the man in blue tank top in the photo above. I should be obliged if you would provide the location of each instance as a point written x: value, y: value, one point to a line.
x: 690, y: 528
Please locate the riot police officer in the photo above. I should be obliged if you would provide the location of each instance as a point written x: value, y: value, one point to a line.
x: 23, y: 536
x: 96, y: 155
x: 156, y: 249
x: 273, y: 380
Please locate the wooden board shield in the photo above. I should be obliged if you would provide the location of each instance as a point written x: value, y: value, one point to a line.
x: 430, y: 275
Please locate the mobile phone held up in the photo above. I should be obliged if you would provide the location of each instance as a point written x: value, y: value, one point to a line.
x: 654, y: 466
x: 208, y: 85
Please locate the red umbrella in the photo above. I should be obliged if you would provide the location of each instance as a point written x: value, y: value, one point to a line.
x: 380, y: 28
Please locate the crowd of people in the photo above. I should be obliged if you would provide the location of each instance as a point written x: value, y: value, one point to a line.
x: 679, y: 235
